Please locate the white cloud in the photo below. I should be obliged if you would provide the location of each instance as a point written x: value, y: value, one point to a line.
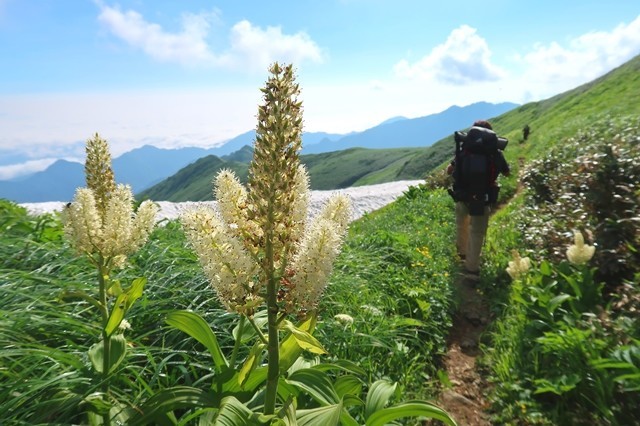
x: 187, y: 47
x: 462, y: 59
x: 584, y: 59
x: 17, y: 170
x: 258, y: 48
x: 544, y: 70
x: 250, y: 47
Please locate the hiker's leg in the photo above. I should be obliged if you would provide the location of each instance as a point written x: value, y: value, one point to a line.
x: 478, y: 229
x: 462, y: 228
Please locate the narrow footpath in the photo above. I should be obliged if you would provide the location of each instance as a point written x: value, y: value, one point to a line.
x: 465, y: 398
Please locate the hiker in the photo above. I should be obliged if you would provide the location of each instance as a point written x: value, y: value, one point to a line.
x: 475, y: 168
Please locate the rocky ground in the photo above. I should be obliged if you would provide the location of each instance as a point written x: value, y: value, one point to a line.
x: 465, y: 400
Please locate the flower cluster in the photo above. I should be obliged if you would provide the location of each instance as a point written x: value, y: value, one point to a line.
x: 518, y: 266
x: 100, y: 220
x: 580, y: 253
x: 260, y: 235
x: 226, y: 262
x: 313, y: 261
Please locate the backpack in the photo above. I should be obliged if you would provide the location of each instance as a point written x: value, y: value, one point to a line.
x: 475, y: 168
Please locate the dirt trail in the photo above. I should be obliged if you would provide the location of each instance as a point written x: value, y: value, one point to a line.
x: 465, y: 400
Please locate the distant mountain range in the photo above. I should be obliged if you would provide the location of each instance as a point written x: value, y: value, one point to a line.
x: 402, y: 132
x: 144, y: 167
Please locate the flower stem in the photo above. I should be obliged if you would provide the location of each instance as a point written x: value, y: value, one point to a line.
x: 259, y: 332
x: 236, y: 345
x: 273, y: 350
x: 102, y: 273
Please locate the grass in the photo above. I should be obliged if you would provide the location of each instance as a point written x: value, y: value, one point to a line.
x: 401, y: 302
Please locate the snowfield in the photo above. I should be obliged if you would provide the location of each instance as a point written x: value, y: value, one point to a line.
x: 364, y: 199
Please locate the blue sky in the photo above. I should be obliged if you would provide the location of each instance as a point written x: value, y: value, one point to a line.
x: 188, y: 73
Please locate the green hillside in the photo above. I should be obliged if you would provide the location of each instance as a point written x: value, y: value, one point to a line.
x: 356, y: 166
x: 194, y: 182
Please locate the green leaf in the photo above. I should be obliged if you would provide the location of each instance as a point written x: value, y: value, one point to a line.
x: 115, y: 289
x: 204, y: 415
x: 289, y: 348
x: 250, y: 363
x: 343, y: 365
x: 409, y: 409
x: 231, y: 384
x: 81, y: 295
x: 348, y: 385
x: 557, y: 301
x: 316, y: 383
x: 378, y: 396
x: 123, y: 303
x: 235, y: 413
x: 304, y: 339
x: 179, y: 397
x: 196, y: 327
x: 322, y: 416
x: 117, y: 352
x: 545, y: 268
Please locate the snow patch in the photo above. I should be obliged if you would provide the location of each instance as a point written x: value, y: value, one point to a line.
x: 364, y: 199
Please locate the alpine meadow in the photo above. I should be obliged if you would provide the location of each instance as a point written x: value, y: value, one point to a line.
x: 257, y: 314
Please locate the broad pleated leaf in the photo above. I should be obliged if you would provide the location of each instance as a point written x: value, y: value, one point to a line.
x: 348, y: 385
x: 234, y: 413
x: 196, y: 327
x: 378, y: 396
x: 322, y: 416
x: 316, y: 384
x: 409, y: 409
x: 250, y: 364
x: 117, y: 352
x: 289, y: 348
x: 304, y: 339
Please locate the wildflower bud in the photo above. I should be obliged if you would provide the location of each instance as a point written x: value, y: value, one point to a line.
x: 579, y: 253
x: 116, y: 231
x: 313, y: 263
x: 518, y: 266
x: 344, y: 319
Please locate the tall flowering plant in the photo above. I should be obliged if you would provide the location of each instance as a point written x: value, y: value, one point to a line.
x: 259, y: 249
x: 101, y: 224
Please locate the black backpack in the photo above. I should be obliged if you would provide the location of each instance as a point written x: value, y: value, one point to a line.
x: 475, y: 168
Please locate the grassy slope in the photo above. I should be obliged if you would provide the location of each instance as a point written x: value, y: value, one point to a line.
x: 355, y: 166
x: 193, y: 183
